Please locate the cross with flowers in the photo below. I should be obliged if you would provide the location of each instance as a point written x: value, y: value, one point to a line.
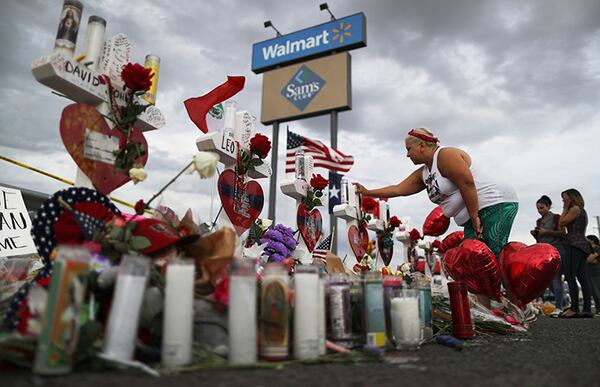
x: 307, y: 190
x: 103, y: 131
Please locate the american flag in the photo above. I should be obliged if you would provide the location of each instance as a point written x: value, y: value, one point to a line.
x: 323, y: 248
x: 323, y: 156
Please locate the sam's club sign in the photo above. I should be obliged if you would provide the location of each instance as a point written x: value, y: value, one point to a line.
x: 337, y: 35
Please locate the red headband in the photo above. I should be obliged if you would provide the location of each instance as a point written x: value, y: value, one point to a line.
x: 422, y: 136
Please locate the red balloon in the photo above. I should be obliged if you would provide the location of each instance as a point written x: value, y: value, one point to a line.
x: 528, y: 270
x: 451, y: 240
x: 474, y: 263
x: 436, y: 223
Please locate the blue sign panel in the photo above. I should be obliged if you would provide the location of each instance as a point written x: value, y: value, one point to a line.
x: 303, y: 87
x: 337, y: 35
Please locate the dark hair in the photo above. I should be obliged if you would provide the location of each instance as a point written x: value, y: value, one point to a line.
x: 594, y: 239
x: 575, y: 196
x: 544, y: 200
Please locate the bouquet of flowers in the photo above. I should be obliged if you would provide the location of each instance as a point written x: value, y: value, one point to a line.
x: 280, y: 243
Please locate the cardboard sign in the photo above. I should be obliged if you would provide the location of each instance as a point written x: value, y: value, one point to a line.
x: 15, y: 225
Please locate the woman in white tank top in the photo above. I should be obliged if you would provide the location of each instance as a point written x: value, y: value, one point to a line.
x: 484, y: 207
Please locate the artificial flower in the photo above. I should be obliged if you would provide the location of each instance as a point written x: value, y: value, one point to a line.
x: 139, y: 207
x: 264, y: 223
x: 260, y: 145
x: 318, y: 182
x: 394, y: 221
x: 415, y: 234
x: 137, y: 77
x: 205, y: 163
x: 138, y: 175
x: 369, y: 204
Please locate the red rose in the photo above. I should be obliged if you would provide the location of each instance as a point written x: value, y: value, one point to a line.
x: 139, y: 207
x: 369, y: 204
x: 394, y: 221
x: 318, y: 182
x: 137, y: 77
x: 261, y: 145
x: 414, y: 234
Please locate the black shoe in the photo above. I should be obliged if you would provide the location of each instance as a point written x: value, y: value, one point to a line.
x: 586, y: 315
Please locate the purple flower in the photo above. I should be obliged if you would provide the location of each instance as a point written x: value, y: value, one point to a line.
x: 278, y: 248
x: 290, y: 242
x: 273, y: 235
x: 276, y: 258
x: 284, y: 230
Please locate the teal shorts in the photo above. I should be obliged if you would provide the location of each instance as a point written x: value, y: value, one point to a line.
x: 497, y: 220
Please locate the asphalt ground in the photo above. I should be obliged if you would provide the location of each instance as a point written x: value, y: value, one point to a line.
x: 555, y: 352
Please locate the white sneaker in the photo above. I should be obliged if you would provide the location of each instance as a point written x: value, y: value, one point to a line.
x: 555, y: 314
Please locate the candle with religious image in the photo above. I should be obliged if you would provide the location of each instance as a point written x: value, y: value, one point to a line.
x: 178, y: 314
x: 68, y: 27
x: 94, y: 41
x: 274, y: 313
x: 242, y: 312
x: 121, y: 330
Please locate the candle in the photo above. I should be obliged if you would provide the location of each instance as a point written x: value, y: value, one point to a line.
x: 178, y: 315
x: 242, y: 312
x: 306, y: 325
x: 244, y: 128
x: 344, y: 191
x: 94, y: 41
x: 374, y: 310
x: 68, y: 27
x: 406, y: 323
x: 274, y: 313
x: 424, y: 285
x: 152, y: 62
x: 340, y: 310
x: 121, y: 331
x: 309, y: 166
x: 356, y: 310
x: 300, y: 166
x: 391, y: 288
x: 461, y: 312
x: 322, y: 312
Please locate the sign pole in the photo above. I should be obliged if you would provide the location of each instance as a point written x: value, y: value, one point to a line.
x: 333, y: 127
x: 273, y: 186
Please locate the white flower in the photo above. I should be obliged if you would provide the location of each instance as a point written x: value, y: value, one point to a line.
x: 265, y: 224
x: 405, y: 267
x: 138, y: 174
x: 205, y: 163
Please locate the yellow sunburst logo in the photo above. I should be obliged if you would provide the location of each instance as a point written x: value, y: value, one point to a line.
x: 342, y: 31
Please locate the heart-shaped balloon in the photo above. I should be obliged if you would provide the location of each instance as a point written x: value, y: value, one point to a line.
x: 359, y: 240
x: 436, y: 222
x: 386, y: 249
x: 242, y: 201
x: 528, y: 270
x: 454, y: 239
x: 310, y: 224
x: 92, y: 151
x: 474, y: 263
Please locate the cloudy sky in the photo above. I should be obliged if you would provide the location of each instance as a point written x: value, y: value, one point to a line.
x: 514, y: 83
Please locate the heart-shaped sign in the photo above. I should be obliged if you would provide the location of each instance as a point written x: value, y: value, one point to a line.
x: 474, y: 263
x: 242, y: 201
x: 91, y: 143
x: 310, y: 224
x: 386, y: 249
x: 528, y: 270
x: 359, y: 240
x: 436, y: 222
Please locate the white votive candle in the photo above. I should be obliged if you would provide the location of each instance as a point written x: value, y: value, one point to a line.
x: 406, y: 325
x: 178, y: 315
x: 306, y: 312
x: 242, y: 312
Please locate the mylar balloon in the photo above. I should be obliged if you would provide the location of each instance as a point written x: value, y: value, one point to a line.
x: 436, y: 223
x: 452, y: 240
x: 474, y: 263
x: 528, y: 270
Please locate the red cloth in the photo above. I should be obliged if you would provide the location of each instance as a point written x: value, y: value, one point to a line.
x: 198, y: 107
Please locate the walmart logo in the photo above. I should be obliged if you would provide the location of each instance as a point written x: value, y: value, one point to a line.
x: 303, y: 87
x: 342, y: 31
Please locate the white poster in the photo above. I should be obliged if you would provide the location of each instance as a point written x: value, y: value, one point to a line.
x: 15, y: 225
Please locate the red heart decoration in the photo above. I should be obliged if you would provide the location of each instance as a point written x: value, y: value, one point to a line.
x: 386, y: 253
x: 528, y: 270
x: 74, y: 120
x: 359, y: 240
x: 452, y: 240
x: 474, y: 263
x: 436, y: 222
x: 242, y: 201
x: 310, y: 224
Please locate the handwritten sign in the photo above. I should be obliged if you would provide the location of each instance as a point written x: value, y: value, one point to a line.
x: 15, y: 225
x: 115, y: 54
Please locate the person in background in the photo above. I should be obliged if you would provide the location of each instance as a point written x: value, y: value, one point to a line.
x: 547, y: 231
x: 593, y: 262
x: 486, y: 208
x: 577, y: 249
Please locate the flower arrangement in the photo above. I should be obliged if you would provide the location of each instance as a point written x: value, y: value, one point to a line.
x: 367, y: 263
x: 315, y: 192
x: 280, y: 243
x: 260, y: 146
x: 137, y: 80
x: 387, y: 232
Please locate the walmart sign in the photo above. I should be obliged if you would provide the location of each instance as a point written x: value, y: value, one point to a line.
x: 337, y: 35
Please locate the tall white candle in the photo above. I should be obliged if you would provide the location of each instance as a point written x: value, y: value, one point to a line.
x: 244, y: 127
x: 321, y: 315
x: 94, y: 41
x: 242, y: 315
x: 306, y: 322
x: 309, y: 167
x: 178, y: 315
x: 406, y: 324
